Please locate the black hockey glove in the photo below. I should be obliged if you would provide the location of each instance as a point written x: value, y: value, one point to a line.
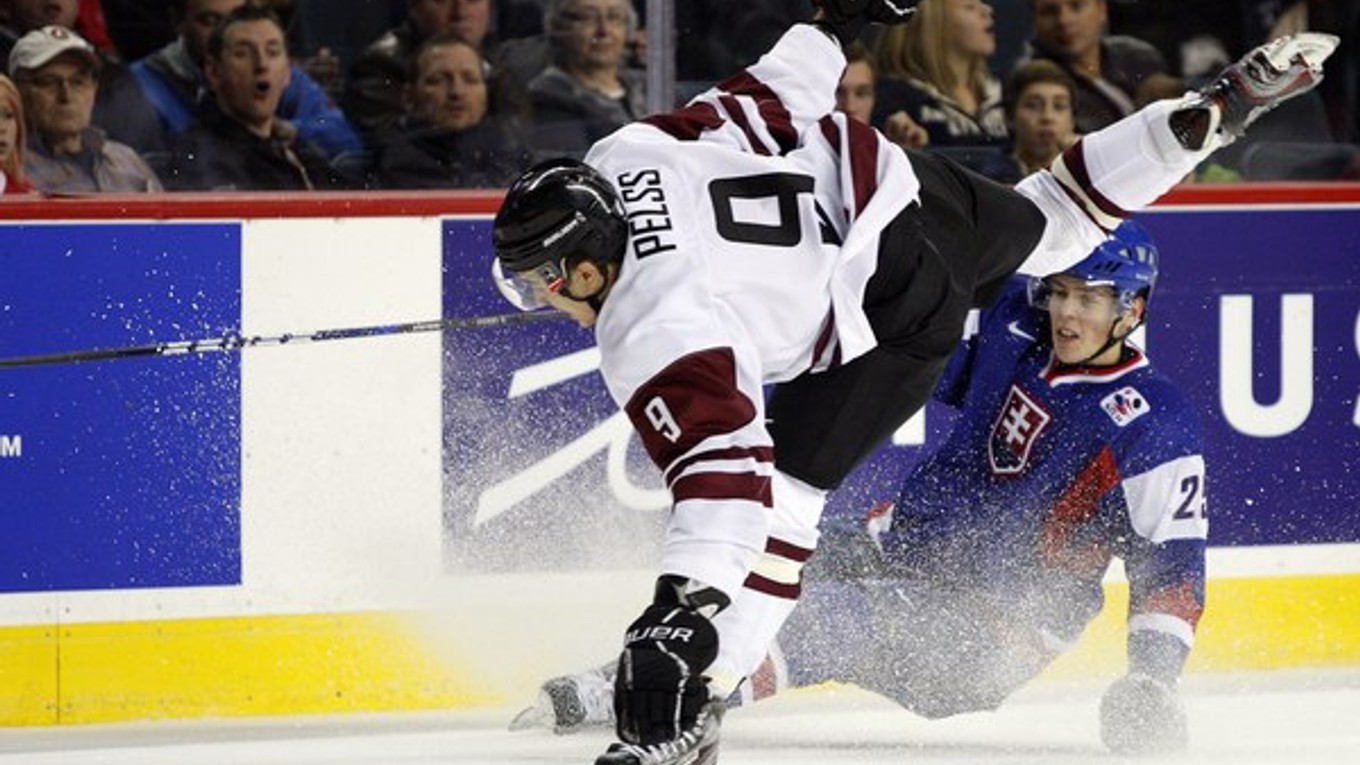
x: 1140, y: 714
x: 846, y: 19
x: 660, y: 688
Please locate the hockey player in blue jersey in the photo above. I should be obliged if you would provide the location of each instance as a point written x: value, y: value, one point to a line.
x: 1070, y: 450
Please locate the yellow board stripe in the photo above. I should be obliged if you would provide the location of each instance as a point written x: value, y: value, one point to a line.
x: 266, y: 665
x: 86, y: 673
x: 1248, y: 624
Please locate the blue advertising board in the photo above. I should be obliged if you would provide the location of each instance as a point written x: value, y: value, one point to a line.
x: 1246, y: 296
x: 128, y: 474
x: 119, y: 475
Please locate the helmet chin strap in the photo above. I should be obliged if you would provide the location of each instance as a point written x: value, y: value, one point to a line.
x: 1110, y: 341
x: 596, y: 301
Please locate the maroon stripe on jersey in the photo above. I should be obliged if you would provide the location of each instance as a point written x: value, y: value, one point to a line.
x: 737, y: 486
x: 863, y: 141
x: 1075, y: 160
x: 687, y: 124
x: 1075, y: 506
x: 824, y: 338
x: 770, y: 587
x: 831, y: 132
x: 757, y: 453
x: 771, y: 109
x: 787, y: 550
x: 738, y: 116
x: 694, y: 398
x: 1178, y: 600
x: 863, y: 163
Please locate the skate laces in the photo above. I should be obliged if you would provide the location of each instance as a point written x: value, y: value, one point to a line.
x: 692, y: 747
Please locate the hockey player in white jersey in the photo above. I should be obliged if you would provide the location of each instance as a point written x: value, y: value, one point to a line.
x: 758, y: 237
x: 1070, y: 449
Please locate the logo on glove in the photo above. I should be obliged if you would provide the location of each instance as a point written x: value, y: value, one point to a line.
x: 659, y: 632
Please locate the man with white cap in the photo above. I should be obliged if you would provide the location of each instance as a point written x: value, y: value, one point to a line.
x: 57, y: 73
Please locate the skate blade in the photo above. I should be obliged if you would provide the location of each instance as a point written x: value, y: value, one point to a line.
x: 528, y: 719
x: 1312, y: 47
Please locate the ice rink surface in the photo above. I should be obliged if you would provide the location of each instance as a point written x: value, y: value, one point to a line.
x: 1285, y: 717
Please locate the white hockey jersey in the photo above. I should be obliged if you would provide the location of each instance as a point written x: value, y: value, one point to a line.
x: 755, y: 214
x: 751, y: 244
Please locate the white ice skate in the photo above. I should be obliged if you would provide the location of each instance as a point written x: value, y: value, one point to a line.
x: 572, y: 702
x: 1261, y: 80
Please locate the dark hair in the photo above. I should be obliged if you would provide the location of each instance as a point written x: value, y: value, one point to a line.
x: 248, y: 12
x: 503, y: 98
x: 1031, y: 72
x: 444, y: 39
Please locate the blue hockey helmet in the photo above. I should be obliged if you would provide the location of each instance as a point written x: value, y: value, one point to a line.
x: 1126, y: 262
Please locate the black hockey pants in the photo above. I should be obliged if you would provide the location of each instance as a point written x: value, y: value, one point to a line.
x: 938, y: 259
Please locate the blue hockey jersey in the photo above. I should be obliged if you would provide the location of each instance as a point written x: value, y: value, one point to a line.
x: 1049, y: 474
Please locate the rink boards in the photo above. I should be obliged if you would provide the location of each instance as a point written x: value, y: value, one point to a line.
x: 428, y: 520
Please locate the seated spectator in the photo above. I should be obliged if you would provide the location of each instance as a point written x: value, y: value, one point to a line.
x: 1106, y: 68
x: 13, y: 180
x: 717, y: 37
x: 137, y: 27
x: 120, y: 110
x: 934, y: 69
x: 451, y: 138
x: 855, y: 93
x: 172, y: 79
x: 1039, y: 101
x: 238, y: 141
x: 373, y: 89
x: 57, y: 72
x: 586, y: 92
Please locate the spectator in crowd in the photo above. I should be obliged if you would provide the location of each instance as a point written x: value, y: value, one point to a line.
x: 120, y: 110
x: 855, y: 93
x: 347, y: 27
x: 173, y: 80
x: 587, y: 91
x: 1106, y: 68
x: 13, y: 180
x: 1195, y: 39
x: 451, y: 137
x: 238, y: 141
x: 717, y: 37
x: 934, y: 69
x: 374, y: 86
x: 1039, y: 100
x: 57, y: 72
x: 138, y: 27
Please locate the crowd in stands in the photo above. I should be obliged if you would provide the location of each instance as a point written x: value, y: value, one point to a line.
x: 144, y: 95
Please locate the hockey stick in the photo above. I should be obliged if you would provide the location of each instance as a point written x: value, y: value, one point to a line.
x: 233, y: 340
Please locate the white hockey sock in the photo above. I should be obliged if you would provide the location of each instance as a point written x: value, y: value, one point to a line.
x: 1126, y: 166
x: 748, y: 627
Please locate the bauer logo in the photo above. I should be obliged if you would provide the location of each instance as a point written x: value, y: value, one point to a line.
x: 11, y: 446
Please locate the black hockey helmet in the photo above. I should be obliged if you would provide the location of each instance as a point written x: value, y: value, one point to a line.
x: 555, y: 215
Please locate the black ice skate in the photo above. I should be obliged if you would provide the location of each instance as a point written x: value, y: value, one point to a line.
x: 697, y: 745
x: 1258, y: 82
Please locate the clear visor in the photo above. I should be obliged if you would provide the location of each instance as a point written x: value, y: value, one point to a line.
x: 1093, y: 299
x: 527, y: 291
